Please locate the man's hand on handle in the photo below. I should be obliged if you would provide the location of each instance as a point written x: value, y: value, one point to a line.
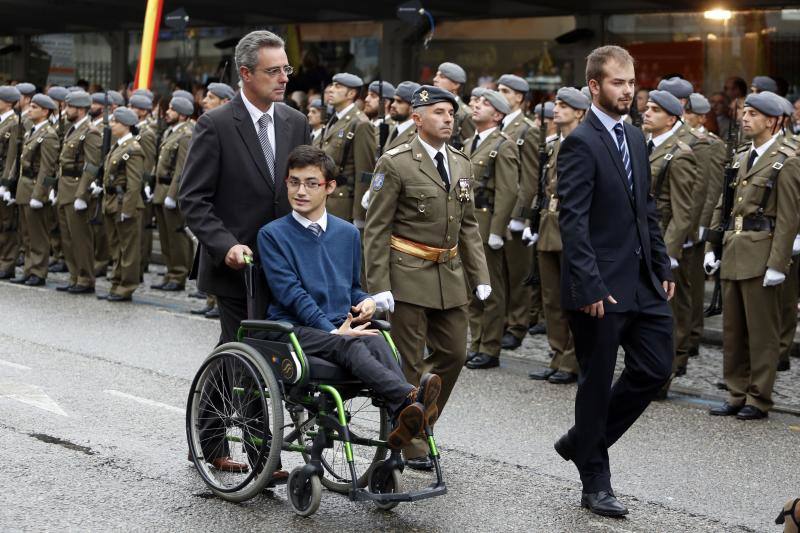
x: 235, y: 256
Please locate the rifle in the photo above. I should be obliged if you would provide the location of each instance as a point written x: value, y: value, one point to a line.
x: 105, y: 149
x: 12, y: 185
x: 383, y: 127
x: 538, y: 203
x: 715, y: 235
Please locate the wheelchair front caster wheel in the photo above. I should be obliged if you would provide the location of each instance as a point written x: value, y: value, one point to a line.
x: 304, y: 493
x: 383, y: 481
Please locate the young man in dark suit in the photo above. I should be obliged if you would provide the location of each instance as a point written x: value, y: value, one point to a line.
x: 615, y: 280
x: 233, y: 181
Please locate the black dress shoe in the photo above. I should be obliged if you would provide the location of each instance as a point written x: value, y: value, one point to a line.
x: 483, y: 360
x: 20, y: 280
x: 34, y: 281
x: 81, y: 289
x: 541, y: 375
x: 423, y: 463
x: 118, y: 298
x: 725, y: 409
x: 202, y: 311
x: 603, y: 503
x: 751, y: 412
x: 58, y: 266
x: 214, y: 313
x: 172, y: 287
x: 102, y: 296
x: 783, y: 366
x: 564, y: 448
x: 563, y: 378
x: 200, y: 295
x: 680, y: 371
x: 64, y: 288
x: 510, y: 342
x: 158, y: 286
x: 537, y: 329
x: 721, y: 385
x: 7, y: 274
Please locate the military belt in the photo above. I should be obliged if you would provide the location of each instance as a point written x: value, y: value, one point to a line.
x: 115, y: 189
x: 756, y: 223
x: 28, y: 173
x: 164, y: 180
x: 75, y: 173
x: 423, y: 251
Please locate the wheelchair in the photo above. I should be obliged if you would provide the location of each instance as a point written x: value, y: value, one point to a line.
x: 254, y: 399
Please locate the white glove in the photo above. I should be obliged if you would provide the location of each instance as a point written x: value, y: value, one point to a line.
x: 365, y: 200
x: 796, y: 245
x: 701, y: 233
x: 96, y: 189
x: 7, y: 198
x: 673, y: 263
x: 169, y: 203
x: 384, y: 301
x: 3, y: 190
x: 516, y: 225
x: 79, y: 205
x: 52, y: 197
x: 148, y: 193
x: 36, y: 204
x: 483, y: 292
x: 710, y: 263
x: 528, y: 235
x: 123, y: 217
x: 495, y: 241
x: 773, y: 277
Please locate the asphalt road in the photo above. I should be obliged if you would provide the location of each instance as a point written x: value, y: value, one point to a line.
x: 92, y: 397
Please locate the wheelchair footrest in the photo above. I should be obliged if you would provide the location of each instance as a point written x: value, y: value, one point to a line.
x: 431, y: 491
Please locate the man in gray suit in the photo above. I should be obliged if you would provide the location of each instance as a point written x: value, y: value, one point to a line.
x: 233, y: 181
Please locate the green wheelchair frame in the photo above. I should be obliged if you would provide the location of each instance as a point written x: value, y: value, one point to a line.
x: 254, y: 374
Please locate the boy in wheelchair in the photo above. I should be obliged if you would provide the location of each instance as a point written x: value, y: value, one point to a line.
x: 312, y: 263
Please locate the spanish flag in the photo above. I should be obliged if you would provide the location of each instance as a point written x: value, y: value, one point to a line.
x: 147, y: 57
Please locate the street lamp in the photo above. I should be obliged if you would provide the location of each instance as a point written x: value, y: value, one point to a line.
x: 721, y: 15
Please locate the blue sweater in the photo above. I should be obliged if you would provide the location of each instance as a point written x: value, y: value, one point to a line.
x: 314, y: 280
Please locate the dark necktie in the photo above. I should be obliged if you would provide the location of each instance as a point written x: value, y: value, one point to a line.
x: 442, y: 170
x: 332, y: 121
x: 315, y: 228
x: 263, y: 137
x: 650, y: 146
x: 623, y: 152
x: 474, y: 144
x: 393, y: 136
x: 752, y: 159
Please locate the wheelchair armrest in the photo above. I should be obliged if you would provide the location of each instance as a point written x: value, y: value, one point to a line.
x: 381, y: 325
x: 267, y: 325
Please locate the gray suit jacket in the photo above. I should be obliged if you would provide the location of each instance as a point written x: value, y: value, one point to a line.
x: 226, y: 192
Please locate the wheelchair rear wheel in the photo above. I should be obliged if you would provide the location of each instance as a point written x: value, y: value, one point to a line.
x: 235, y: 410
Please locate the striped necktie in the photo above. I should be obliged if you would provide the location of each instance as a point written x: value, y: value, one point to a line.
x: 623, y: 152
x: 315, y: 228
x: 263, y: 137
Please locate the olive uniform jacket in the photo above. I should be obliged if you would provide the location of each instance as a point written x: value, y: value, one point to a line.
x: 526, y: 135
x: 774, y: 176
x: 39, y: 161
x: 147, y: 139
x: 675, y: 173
x: 409, y: 200
x: 171, y: 160
x: 353, y: 134
x: 8, y: 148
x: 402, y: 138
x: 549, y: 232
x: 79, y: 162
x: 124, y: 169
x: 495, y: 190
x: 718, y: 154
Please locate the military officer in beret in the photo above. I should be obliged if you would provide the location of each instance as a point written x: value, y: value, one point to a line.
x: 122, y: 205
x: 377, y: 102
x: 451, y: 77
x: 694, y: 115
x: 59, y: 95
x: 757, y: 250
x: 495, y: 168
x: 102, y: 253
x: 350, y: 141
x: 475, y: 95
x: 59, y: 121
x: 423, y: 248
x: 117, y: 100
x: 79, y: 162
x: 217, y: 94
x: 147, y: 138
x: 317, y: 116
x: 570, y: 107
x: 763, y: 83
x: 403, y: 130
x: 175, y: 244
x: 37, y: 176
x: 147, y: 93
x: 518, y: 260
x: 550, y: 127
x: 26, y: 91
x: 675, y: 172
x: 9, y: 131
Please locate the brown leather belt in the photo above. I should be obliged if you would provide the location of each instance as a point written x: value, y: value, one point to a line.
x: 423, y: 251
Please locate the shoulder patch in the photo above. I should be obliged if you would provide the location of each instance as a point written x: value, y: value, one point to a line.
x: 399, y: 149
x: 787, y: 150
x: 457, y: 151
x: 377, y: 181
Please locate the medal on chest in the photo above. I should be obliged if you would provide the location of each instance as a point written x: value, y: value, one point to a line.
x: 463, y: 190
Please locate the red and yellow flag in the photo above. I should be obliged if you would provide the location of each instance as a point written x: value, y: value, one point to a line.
x: 147, y: 57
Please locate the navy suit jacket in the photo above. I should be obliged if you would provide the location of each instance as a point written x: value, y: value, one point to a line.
x: 608, y: 233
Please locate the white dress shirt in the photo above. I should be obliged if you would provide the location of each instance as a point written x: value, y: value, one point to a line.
x: 657, y: 141
x: 761, y: 149
x: 323, y: 220
x: 432, y: 154
x: 124, y: 138
x: 511, y: 117
x: 482, y: 135
x: 344, y: 111
x: 609, y: 124
x: 255, y: 116
x: 403, y: 126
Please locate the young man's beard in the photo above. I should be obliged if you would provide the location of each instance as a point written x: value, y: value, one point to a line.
x: 611, y: 105
x: 94, y: 113
x: 397, y: 117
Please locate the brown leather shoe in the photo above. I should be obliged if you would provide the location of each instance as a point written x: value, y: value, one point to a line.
x: 408, y: 425
x: 429, y: 388
x: 279, y: 477
x: 226, y: 464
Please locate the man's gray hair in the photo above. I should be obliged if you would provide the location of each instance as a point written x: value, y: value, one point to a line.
x: 246, y: 54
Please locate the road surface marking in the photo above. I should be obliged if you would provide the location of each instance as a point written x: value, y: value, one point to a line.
x: 14, y: 365
x: 30, y: 395
x: 145, y: 401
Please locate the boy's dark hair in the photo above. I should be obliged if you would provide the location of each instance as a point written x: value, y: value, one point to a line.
x: 310, y: 156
